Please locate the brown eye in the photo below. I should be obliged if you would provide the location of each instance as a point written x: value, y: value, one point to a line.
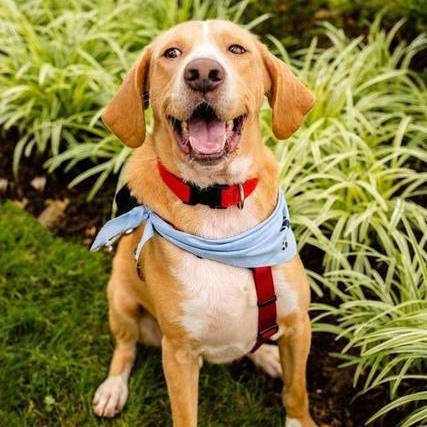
x: 172, y: 52
x: 237, y: 49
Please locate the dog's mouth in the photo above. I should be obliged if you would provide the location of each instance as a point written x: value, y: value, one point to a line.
x: 206, y: 137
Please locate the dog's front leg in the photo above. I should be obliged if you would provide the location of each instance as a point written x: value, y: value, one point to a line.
x: 181, y: 368
x: 294, y: 346
x: 124, y: 318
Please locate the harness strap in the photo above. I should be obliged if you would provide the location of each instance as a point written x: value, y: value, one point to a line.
x: 266, y: 296
x: 216, y: 196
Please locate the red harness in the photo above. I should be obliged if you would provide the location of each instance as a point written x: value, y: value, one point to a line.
x: 221, y: 197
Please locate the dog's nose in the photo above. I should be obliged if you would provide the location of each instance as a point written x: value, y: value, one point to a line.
x: 204, y: 74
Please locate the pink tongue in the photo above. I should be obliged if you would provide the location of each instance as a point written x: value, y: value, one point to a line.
x: 207, y: 137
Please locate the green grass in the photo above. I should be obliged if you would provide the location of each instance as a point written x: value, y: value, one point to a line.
x: 56, y: 347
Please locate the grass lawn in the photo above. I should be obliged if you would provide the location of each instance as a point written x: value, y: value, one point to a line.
x: 55, y: 345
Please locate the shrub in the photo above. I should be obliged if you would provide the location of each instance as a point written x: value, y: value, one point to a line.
x: 295, y: 22
x: 353, y: 176
x: 383, y: 318
x: 358, y: 153
x: 414, y: 10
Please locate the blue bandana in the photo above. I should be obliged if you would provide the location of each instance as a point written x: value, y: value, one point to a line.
x: 269, y: 243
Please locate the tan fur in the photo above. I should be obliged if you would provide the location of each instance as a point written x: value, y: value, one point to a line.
x: 150, y: 308
x: 125, y: 113
x: 289, y: 99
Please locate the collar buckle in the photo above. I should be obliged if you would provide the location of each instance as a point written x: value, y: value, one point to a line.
x: 210, y: 196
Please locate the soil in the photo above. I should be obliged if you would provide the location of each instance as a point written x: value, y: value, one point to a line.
x: 331, y: 391
x: 81, y: 219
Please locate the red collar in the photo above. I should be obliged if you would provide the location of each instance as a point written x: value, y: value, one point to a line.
x: 217, y: 196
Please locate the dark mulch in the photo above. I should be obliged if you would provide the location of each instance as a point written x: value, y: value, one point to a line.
x: 82, y: 217
x: 331, y: 390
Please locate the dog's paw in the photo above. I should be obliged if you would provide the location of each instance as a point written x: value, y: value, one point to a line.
x: 110, y: 397
x: 267, y: 358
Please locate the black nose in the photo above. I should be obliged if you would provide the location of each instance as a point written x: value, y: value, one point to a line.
x: 204, y: 74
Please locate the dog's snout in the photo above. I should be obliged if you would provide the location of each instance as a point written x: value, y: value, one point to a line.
x: 204, y: 74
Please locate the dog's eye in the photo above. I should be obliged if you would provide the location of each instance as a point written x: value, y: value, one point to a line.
x: 172, y: 52
x: 237, y: 49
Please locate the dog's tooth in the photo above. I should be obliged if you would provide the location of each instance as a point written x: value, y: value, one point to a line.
x: 184, y: 127
x: 229, y: 125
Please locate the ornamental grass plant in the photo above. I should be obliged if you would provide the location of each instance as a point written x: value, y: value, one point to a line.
x: 356, y: 170
x: 355, y: 180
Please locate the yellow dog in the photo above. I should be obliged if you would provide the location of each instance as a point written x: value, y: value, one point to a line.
x: 205, y: 82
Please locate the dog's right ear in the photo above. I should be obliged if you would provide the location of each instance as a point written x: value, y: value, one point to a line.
x: 124, y: 115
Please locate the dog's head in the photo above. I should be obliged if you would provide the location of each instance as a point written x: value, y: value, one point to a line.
x: 206, y: 82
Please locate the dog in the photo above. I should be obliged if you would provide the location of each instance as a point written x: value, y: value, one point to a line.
x: 205, y: 82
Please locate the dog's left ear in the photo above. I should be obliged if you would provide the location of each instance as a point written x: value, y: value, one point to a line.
x: 124, y: 115
x: 289, y: 99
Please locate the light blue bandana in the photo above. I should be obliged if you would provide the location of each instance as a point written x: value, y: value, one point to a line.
x: 269, y: 243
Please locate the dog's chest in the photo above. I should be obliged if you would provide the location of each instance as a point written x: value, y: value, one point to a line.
x: 219, y: 307
x: 220, y: 304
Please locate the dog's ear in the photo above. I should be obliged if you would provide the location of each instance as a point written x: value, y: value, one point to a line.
x: 124, y: 115
x: 289, y: 99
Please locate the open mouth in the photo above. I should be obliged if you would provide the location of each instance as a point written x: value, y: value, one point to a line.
x: 204, y: 136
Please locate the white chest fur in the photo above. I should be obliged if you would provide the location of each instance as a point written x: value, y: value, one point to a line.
x: 220, y: 305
